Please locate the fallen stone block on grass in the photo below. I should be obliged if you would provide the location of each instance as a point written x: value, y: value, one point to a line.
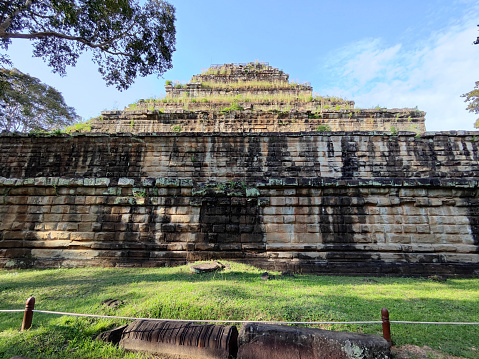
x: 113, y: 303
x: 112, y: 336
x: 181, y: 339
x: 206, y: 267
x: 258, y: 341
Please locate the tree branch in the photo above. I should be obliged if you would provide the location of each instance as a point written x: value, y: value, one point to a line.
x: 40, y: 15
x: 39, y: 35
x: 5, y: 24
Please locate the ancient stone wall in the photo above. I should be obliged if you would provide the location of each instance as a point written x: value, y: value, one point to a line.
x: 328, y: 107
x: 258, y: 121
x: 190, y: 90
x: 356, y: 203
x: 227, y: 73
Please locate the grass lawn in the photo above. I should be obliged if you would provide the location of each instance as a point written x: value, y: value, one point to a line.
x: 236, y: 293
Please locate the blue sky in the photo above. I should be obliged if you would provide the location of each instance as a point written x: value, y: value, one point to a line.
x: 389, y: 53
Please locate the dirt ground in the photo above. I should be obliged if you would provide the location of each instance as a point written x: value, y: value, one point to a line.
x: 415, y: 352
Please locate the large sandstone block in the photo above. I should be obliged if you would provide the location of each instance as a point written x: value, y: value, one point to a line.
x: 257, y: 341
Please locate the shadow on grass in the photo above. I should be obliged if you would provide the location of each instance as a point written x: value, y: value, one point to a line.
x: 234, y: 294
x: 241, y: 304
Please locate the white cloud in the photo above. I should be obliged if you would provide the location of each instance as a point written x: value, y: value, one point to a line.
x: 373, y: 61
x: 432, y: 76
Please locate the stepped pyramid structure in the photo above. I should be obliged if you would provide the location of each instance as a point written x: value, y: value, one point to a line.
x: 242, y: 164
x: 252, y: 97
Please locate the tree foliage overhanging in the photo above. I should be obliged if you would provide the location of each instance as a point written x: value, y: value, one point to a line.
x: 127, y: 40
x: 27, y: 104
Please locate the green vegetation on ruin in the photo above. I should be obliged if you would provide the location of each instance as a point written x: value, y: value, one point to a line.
x: 155, y: 103
x: 323, y: 128
x: 236, y: 293
x: 234, y: 107
x: 81, y: 126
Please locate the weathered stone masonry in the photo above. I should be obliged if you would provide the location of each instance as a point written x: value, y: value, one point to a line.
x: 253, y: 97
x: 343, y: 202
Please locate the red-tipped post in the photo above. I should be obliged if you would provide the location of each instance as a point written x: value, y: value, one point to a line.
x: 28, y: 315
x: 386, y: 325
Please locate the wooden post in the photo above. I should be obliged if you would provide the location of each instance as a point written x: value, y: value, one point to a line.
x: 386, y: 325
x: 28, y: 315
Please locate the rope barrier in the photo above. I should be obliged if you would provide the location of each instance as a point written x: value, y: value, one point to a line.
x: 433, y: 323
x: 236, y: 321
x: 206, y: 320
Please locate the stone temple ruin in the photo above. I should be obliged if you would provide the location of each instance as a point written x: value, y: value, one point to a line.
x: 241, y: 164
x: 252, y: 97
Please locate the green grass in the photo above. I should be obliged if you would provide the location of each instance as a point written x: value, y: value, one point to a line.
x: 323, y: 128
x: 236, y: 293
x: 276, y: 98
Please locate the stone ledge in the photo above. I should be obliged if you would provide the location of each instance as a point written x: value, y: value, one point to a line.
x: 425, y: 135
x: 252, y: 187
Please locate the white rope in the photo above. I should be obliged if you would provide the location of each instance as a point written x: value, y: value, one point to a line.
x: 434, y: 323
x: 238, y: 321
x: 201, y: 320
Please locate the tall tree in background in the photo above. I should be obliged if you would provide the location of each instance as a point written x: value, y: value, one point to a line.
x: 127, y: 40
x: 473, y: 96
x: 30, y: 105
